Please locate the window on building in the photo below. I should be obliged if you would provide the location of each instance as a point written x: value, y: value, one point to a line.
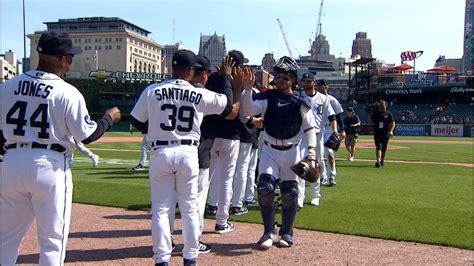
x: 119, y: 47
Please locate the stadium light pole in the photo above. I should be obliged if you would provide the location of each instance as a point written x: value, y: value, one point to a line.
x: 23, y: 65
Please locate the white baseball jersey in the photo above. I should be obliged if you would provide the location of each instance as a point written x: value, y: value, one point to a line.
x: 337, y: 109
x: 174, y: 109
x: 321, y: 108
x: 41, y: 107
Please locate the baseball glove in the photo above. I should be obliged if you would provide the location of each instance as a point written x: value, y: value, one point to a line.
x: 307, y: 169
x: 333, y: 142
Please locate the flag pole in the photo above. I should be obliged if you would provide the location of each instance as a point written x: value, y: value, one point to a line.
x: 96, y: 60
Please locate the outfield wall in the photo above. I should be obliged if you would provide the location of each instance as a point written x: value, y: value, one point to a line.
x: 439, y: 130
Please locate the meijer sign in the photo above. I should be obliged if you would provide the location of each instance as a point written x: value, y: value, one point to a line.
x: 447, y: 130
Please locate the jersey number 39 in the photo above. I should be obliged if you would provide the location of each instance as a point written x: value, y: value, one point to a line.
x: 184, y: 115
x: 38, y: 119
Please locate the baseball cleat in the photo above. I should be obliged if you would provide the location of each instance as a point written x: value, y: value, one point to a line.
x: 204, y: 248
x: 238, y: 210
x: 315, y: 202
x: 139, y: 167
x: 224, y: 228
x: 210, y: 210
x: 95, y: 160
x: 351, y: 159
x: 250, y: 202
x: 377, y: 164
x: 266, y: 241
x: 285, y: 241
x: 381, y: 163
x: 189, y: 262
x: 324, y: 181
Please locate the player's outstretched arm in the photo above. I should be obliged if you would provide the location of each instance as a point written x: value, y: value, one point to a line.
x: 111, y: 116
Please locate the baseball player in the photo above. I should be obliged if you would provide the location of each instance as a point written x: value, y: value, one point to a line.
x: 322, y: 110
x: 248, y: 138
x: 285, y: 113
x: 200, y: 78
x: 83, y: 149
x: 144, y: 148
x: 225, y: 150
x: 173, y: 111
x: 41, y: 116
x: 331, y: 154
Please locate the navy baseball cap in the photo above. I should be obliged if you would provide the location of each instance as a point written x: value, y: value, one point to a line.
x: 184, y: 58
x: 238, y: 57
x: 322, y: 82
x: 203, y: 63
x: 53, y: 43
x: 308, y: 75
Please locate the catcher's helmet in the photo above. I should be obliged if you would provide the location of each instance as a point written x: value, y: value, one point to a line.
x: 286, y: 65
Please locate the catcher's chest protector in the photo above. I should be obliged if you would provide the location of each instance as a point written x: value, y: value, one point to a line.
x: 283, y: 115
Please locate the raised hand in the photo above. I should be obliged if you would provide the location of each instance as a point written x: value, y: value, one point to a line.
x: 248, y: 78
x: 237, y: 78
x: 226, y: 66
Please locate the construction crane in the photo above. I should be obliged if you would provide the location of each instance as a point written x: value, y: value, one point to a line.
x: 315, y: 46
x: 284, y: 37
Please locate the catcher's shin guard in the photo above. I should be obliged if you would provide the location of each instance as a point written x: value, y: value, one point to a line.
x: 289, y: 202
x: 266, y: 194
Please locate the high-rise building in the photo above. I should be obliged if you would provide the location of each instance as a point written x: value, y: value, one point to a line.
x: 320, y: 50
x: 213, y: 47
x: 468, y: 54
x: 267, y: 62
x: 8, y: 66
x: 108, y: 43
x: 362, y: 46
x: 167, y: 56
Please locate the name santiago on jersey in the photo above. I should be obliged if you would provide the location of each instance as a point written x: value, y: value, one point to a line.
x: 174, y: 93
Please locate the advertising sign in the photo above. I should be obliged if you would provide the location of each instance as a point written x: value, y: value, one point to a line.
x: 447, y: 130
x: 410, y: 130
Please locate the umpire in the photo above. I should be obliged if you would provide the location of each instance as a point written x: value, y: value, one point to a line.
x: 384, y: 124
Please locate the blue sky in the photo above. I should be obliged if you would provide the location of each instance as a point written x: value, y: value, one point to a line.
x: 434, y: 26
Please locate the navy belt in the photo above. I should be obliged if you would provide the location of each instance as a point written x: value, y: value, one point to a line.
x: 182, y: 142
x: 36, y: 145
x: 280, y: 148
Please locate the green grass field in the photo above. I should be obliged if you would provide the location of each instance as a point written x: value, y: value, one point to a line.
x: 428, y: 203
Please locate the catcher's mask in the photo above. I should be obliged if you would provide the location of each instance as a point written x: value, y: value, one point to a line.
x: 286, y: 65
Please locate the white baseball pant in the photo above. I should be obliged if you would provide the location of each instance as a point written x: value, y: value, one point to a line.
x: 240, y: 177
x: 250, y: 188
x: 224, y: 155
x: 35, y: 183
x: 174, y: 175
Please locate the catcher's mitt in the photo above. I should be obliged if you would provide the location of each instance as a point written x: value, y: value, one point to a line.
x: 307, y: 169
x: 333, y: 142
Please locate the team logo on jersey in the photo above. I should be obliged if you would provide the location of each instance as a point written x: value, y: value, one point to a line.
x: 88, y: 120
